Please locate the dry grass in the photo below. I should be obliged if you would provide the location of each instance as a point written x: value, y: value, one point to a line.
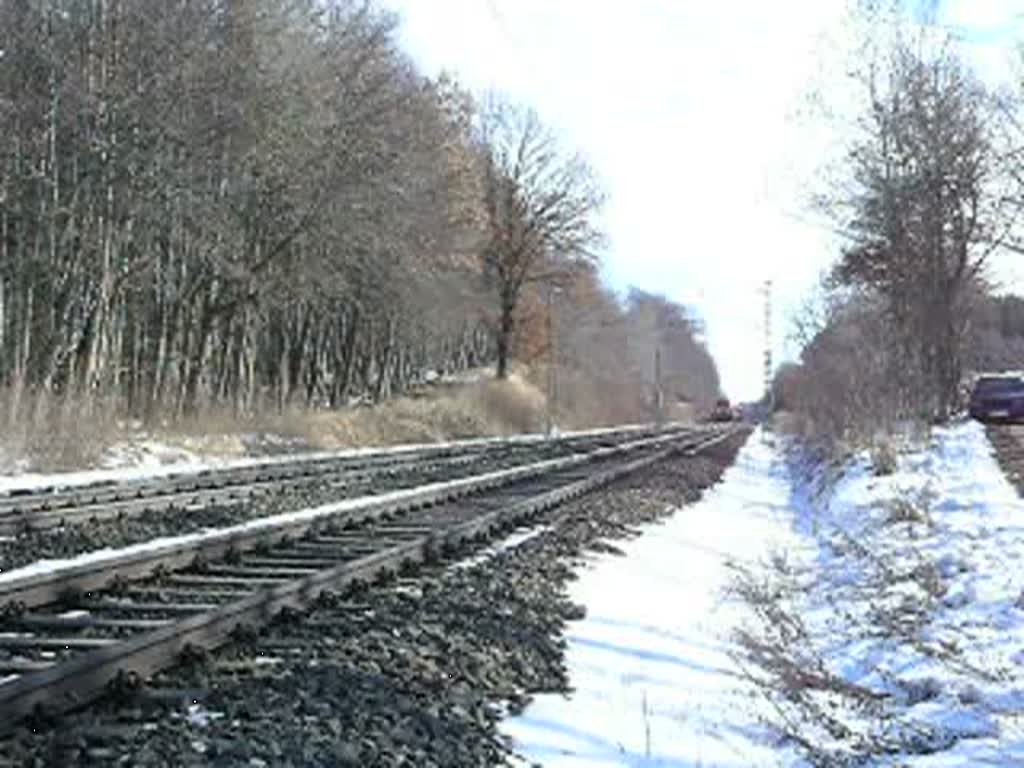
x: 485, y: 408
x: 45, y: 434
x: 884, y: 457
x: 810, y: 704
x: 53, y: 432
x: 904, y: 509
x: 888, y: 595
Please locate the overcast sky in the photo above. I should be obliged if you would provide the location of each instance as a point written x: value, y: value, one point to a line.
x: 696, y: 117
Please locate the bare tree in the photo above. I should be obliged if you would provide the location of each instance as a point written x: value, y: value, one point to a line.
x: 927, y: 209
x: 539, y: 209
x: 612, y: 356
x: 852, y: 386
x: 664, y: 349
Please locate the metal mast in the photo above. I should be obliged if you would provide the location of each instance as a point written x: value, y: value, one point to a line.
x: 768, y: 368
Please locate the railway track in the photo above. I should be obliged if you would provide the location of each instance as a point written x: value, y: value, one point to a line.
x: 48, y: 508
x: 1007, y: 440
x: 67, y: 635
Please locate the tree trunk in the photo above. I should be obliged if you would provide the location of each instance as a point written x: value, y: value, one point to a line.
x: 503, y: 341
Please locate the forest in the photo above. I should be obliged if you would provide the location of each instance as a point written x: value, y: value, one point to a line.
x: 243, y: 205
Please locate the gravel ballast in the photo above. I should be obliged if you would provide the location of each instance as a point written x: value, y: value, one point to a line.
x: 413, y: 672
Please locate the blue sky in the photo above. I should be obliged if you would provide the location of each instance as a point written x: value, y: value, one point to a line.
x: 696, y: 116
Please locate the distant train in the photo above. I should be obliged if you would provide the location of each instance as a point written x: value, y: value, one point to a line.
x: 723, y: 410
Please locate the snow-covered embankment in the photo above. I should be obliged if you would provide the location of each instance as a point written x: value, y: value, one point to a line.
x: 872, y: 618
x: 914, y: 603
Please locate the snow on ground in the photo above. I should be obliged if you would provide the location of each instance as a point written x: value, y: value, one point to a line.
x: 511, y: 541
x: 651, y: 664
x: 896, y: 600
x: 138, y: 461
x: 918, y: 597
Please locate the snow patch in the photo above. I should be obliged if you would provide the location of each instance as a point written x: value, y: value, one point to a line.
x: 511, y: 541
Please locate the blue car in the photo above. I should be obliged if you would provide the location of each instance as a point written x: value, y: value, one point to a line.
x: 997, y: 398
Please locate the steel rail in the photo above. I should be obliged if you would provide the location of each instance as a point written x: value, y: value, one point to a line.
x: 42, y: 518
x: 48, y: 508
x: 93, y: 571
x: 72, y: 684
x: 256, y: 466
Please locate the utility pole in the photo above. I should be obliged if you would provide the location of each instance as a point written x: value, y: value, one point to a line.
x: 552, y: 361
x: 659, y: 397
x: 768, y: 367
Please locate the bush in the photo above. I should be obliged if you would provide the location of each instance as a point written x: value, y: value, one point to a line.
x: 513, y: 405
x: 884, y: 458
x: 854, y: 386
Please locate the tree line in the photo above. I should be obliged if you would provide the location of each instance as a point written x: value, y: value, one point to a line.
x: 930, y: 188
x: 246, y: 204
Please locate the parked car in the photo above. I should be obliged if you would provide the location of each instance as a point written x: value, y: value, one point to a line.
x: 722, y: 410
x: 997, y: 398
